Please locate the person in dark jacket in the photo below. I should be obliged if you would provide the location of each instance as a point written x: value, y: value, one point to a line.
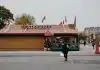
x: 65, y: 50
x: 93, y: 44
x: 84, y: 43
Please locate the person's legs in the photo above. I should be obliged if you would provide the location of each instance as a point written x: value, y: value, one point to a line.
x: 65, y: 56
x: 93, y: 46
x: 84, y: 44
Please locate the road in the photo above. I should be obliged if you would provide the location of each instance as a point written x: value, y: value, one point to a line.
x: 33, y: 62
x: 50, y: 63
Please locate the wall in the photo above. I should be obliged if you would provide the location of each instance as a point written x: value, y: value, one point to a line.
x: 21, y: 43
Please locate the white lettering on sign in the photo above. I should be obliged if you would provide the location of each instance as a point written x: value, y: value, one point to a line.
x: 36, y: 27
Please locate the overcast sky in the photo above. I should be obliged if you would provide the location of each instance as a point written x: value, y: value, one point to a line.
x: 87, y: 12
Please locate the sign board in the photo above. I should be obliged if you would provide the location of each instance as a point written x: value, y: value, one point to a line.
x: 48, y: 33
x: 35, y: 27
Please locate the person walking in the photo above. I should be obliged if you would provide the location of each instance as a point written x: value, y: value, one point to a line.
x: 65, y: 50
x: 93, y: 44
x: 84, y: 43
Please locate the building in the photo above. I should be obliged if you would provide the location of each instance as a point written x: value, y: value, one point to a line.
x: 91, y: 32
x: 33, y: 37
x: 28, y: 37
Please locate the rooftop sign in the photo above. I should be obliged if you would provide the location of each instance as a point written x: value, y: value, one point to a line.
x: 35, y: 27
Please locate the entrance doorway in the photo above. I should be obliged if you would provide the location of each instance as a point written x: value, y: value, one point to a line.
x: 70, y: 40
x: 48, y: 43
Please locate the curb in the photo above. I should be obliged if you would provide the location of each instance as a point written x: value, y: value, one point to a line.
x: 36, y: 53
x: 32, y: 55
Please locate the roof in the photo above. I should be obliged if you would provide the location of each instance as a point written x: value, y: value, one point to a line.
x: 72, y: 26
x: 54, y: 29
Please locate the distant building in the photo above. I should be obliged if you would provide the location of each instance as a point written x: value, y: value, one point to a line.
x: 93, y: 30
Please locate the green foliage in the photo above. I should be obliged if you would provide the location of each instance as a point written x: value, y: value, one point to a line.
x: 31, y: 20
x: 25, y: 19
x: 5, y: 15
x: 82, y: 37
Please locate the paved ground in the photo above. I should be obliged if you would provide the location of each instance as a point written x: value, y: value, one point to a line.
x: 50, y: 63
x: 53, y: 61
x: 84, y: 51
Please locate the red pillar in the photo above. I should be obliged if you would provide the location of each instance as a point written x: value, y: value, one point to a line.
x: 97, y: 51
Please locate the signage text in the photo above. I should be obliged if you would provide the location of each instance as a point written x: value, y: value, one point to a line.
x: 36, y: 27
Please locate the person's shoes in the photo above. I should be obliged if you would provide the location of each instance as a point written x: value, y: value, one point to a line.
x: 65, y: 59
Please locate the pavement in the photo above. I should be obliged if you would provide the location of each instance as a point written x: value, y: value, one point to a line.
x: 84, y: 51
x: 36, y: 60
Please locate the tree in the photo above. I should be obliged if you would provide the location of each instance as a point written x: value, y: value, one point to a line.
x: 82, y: 36
x: 5, y: 15
x: 31, y: 20
x: 25, y: 19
